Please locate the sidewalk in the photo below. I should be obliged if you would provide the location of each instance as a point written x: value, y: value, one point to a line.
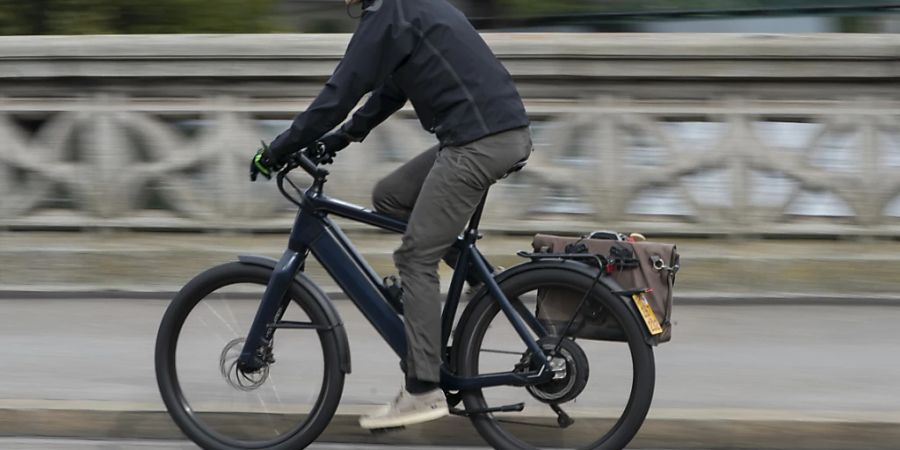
x: 814, y: 271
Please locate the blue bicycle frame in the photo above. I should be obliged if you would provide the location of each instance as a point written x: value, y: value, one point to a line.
x: 314, y: 232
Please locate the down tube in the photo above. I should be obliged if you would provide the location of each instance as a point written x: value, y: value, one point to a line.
x: 340, y: 264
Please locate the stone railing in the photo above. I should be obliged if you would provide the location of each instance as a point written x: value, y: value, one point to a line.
x: 680, y: 134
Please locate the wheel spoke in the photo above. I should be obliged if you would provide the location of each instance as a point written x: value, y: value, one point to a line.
x: 275, y: 389
x: 222, y: 319
x: 268, y: 414
x: 230, y: 312
x: 502, y: 352
x: 214, y: 330
x: 527, y: 424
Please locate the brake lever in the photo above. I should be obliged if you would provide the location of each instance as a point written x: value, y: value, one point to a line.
x: 320, y: 153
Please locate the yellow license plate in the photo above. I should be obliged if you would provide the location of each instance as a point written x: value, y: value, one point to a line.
x: 647, y: 313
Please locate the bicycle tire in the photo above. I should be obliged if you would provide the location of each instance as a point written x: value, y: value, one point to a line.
x: 479, y: 319
x: 167, y: 376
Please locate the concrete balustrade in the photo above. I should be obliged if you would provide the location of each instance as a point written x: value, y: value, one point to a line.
x: 665, y: 133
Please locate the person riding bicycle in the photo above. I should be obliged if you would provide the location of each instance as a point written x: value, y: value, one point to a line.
x: 427, y: 52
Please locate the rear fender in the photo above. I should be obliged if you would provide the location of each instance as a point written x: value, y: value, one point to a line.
x: 558, y: 263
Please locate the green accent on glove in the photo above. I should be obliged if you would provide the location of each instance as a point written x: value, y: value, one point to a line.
x: 257, y: 161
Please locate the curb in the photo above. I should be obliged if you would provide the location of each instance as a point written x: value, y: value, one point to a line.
x: 150, y: 265
x: 688, y: 298
x: 670, y: 433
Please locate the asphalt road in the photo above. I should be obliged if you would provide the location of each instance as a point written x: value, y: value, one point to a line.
x: 833, y: 361
x: 725, y: 362
x: 120, y: 444
x: 86, y: 444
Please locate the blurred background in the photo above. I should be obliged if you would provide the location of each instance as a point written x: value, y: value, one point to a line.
x: 322, y: 16
x: 763, y: 137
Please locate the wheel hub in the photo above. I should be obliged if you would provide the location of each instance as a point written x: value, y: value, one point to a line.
x: 233, y: 374
x: 570, y: 371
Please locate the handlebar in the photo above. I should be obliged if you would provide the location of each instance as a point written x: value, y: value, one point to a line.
x: 306, y: 159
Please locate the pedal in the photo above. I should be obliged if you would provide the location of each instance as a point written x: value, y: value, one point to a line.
x: 453, y: 399
x: 380, y: 431
x: 517, y: 407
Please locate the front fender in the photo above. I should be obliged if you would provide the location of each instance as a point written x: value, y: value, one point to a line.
x: 334, y: 320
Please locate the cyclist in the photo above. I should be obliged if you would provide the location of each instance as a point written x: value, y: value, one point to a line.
x: 427, y: 52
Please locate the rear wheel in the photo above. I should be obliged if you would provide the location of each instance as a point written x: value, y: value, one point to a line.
x: 602, y: 391
x: 286, y: 405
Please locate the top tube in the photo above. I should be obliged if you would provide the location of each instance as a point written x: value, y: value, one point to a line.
x: 321, y: 202
x: 308, y: 160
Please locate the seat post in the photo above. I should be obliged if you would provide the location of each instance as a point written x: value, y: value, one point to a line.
x: 476, y: 216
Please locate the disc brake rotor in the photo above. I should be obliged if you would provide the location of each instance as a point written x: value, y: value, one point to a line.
x: 235, y: 377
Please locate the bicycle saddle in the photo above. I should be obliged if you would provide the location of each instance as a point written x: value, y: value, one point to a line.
x: 516, y: 167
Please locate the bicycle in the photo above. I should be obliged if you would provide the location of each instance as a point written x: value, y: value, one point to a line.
x: 494, y: 375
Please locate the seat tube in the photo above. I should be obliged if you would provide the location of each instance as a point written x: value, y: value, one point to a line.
x: 507, y: 307
x: 476, y: 216
x: 453, y: 295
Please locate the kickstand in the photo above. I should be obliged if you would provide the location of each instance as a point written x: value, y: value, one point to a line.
x: 562, y: 418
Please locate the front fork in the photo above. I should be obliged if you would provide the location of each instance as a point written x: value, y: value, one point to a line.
x: 256, y: 352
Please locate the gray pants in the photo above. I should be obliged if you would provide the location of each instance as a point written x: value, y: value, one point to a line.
x: 437, y: 192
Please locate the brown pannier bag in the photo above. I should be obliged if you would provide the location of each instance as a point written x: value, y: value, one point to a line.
x: 635, y: 265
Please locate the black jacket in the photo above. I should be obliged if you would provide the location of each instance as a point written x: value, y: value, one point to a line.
x: 422, y: 50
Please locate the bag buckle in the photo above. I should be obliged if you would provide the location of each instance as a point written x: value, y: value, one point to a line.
x: 660, y: 265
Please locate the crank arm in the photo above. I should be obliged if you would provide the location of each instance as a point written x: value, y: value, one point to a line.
x: 518, y: 407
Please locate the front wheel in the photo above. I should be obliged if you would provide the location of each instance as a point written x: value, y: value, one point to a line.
x: 285, y: 405
x: 602, y: 391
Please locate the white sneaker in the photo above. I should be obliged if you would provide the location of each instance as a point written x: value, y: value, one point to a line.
x: 407, y: 409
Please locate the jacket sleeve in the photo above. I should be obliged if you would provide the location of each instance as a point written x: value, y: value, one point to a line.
x: 383, y: 102
x: 381, y: 43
